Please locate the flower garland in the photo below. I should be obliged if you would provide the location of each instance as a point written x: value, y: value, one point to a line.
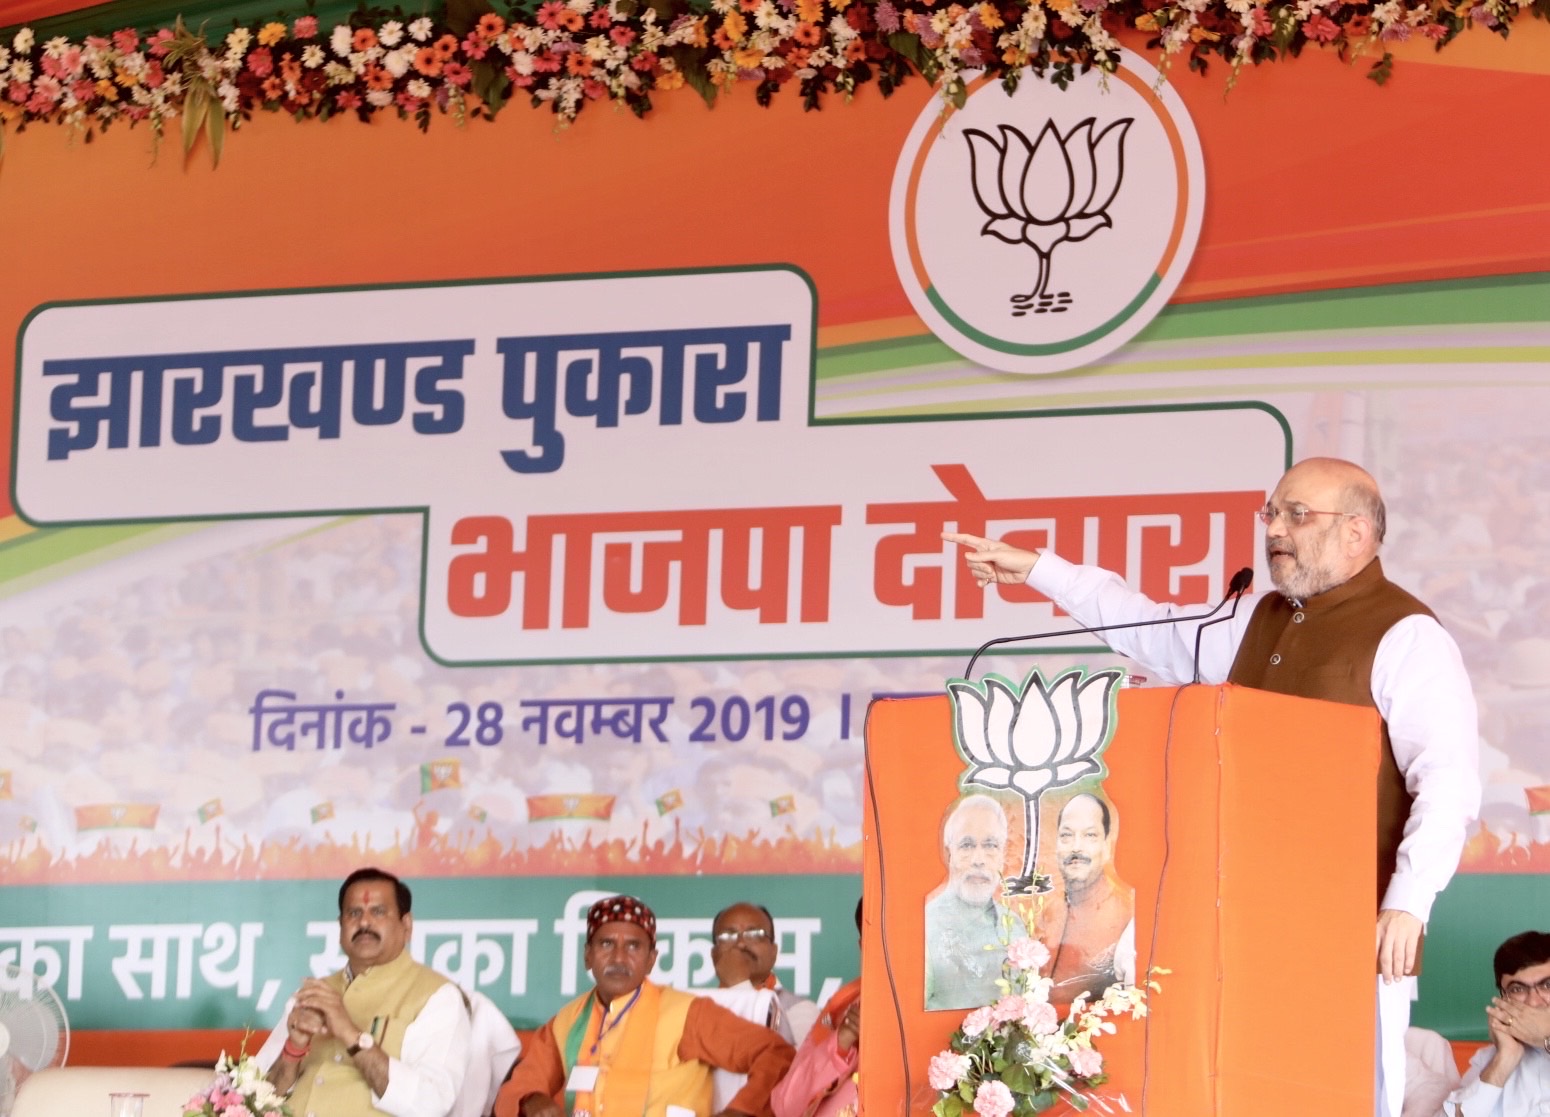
x: 239, y: 1090
x: 566, y: 53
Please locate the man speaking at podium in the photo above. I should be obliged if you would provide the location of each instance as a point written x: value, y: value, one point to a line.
x: 1338, y: 630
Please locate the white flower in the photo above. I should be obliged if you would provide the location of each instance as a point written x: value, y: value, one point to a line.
x: 420, y: 88
x: 379, y: 98
x: 56, y: 46
x: 420, y: 29
x: 396, y: 62
x: 237, y: 42
x: 23, y: 41
x: 340, y: 40
x: 312, y: 56
x: 597, y: 48
x: 339, y: 74
x: 21, y: 70
x: 230, y: 98
x: 391, y: 34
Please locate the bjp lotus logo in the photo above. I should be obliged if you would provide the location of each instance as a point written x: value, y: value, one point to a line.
x: 1043, y: 194
x: 1032, y: 738
x: 1081, y: 206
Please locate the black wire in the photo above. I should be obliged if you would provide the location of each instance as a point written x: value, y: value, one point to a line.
x: 882, y: 904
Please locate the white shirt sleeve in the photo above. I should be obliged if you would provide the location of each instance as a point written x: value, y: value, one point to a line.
x: 1095, y: 597
x: 269, y: 1054
x: 424, y: 1080
x: 1422, y: 690
x: 1474, y: 1098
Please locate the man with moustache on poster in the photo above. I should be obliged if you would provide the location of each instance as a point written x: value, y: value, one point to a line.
x: 1335, y: 629
x: 1088, y: 925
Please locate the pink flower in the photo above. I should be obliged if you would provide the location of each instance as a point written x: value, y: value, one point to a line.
x: 1027, y: 954
x: 1434, y: 31
x: 1320, y: 28
x: 196, y: 1103
x: 1008, y: 1008
x: 1086, y: 1062
x: 154, y: 75
x: 238, y: 1110
x: 947, y: 1069
x: 1041, y: 1018
x: 549, y: 15
x: 993, y: 1099
x: 475, y: 46
x: 17, y: 92
x: 126, y: 41
x: 160, y: 43
x: 977, y: 1021
x: 1262, y: 24
x: 457, y: 74
x: 261, y: 62
x: 305, y: 27
x: 347, y: 100
x: 622, y: 36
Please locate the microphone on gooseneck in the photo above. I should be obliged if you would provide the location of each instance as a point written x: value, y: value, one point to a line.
x: 1240, y: 582
x: 1239, y: 585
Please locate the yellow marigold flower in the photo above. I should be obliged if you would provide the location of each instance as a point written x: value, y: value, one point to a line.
x: 1200, y: 34
x: 670, y: 79
x: 1146, y: 22
x: 990, y: 17
x: 748, y: 58
x: 107, y: 90
x: 125, y: 78
x: 735, y: 26
x: 270, y: 34
x: 1057, y: 5
x: 810, y: 11
x: 1014, y: 57
x: 699, y: 38
x: 839, y: 5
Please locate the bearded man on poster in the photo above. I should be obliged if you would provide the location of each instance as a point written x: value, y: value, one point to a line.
x: 1336, y: 629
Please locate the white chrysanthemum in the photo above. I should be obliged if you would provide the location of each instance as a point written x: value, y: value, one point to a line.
x: 420, y: 88
x: 56, y: 46
x: 597, y: 48
x: 379, y: 98
x: 339, y: 74
x: 231, y: 100
x: 420, y: 29
x: 390, y: 34
x: 340, y: 40
x: 396, y: 62
x: 238, y: 41
x: 21, y: 70
x: 312, y: 56
x: 23, y: 41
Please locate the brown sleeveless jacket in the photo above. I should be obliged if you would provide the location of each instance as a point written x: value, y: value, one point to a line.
x: 1324, y: 648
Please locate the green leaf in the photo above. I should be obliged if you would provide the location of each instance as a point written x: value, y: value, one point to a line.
x: 691, y: 64
x: 1382, y: 70
x: 215, y: 130
x: 490, y: 84
x: 194, y: 103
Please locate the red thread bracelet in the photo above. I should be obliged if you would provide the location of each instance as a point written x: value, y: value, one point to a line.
x: 290, y: 1051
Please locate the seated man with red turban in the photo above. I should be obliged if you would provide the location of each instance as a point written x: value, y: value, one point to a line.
x: 631, y: 1048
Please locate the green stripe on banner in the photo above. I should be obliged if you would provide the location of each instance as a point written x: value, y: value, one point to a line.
x: 1496, y: 299
x: 50, y: 553
x: 217, y: 17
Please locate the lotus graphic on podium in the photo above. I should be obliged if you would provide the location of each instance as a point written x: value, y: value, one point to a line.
x: 1054, y: 190
x: 1033, y: 738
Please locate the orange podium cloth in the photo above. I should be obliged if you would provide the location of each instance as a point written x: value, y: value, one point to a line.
x: 1245, y: 823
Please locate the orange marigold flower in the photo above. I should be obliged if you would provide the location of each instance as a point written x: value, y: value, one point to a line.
x: 445, y: 47
x: 1014, y: 57
x: 491, y: 25
x: 274, y: 88
x: 363, y: 39
x: 855, y: 50
x: 839, y: 5
x: 107, y: 90
x: 428, y: 62
x: 809, y: 11
x: 1200, y: 34
x: 270, y: 34
x: 578, y: 63
x: 722, y: 40
x: 1146, y: 22
x: 670, y: 79
x: 572, y: 21
x: 807, y: 34
x: 990, y: 17
x: 697, y: 39
x: 797, y: 58
x: 736, y: 26
x: 1057, y: 5
x: 377, y: 78
x: 290, y: 69
x: 748, y: 58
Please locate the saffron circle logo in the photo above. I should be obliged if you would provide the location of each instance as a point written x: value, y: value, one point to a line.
x: 1039, y: 232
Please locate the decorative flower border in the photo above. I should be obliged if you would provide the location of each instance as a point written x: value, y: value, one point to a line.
x: 566, y: 53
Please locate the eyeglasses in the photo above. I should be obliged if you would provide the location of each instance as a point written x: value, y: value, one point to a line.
x: 1517, y: 991
x: 748, y: 934
x: 1295, y: 514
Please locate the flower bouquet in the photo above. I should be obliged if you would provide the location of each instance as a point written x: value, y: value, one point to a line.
x: 1017, y: 1056
x: 239, y: 1090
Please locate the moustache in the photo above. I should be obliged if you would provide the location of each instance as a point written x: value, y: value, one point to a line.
x: 363, y: 933
x: 618, y: 969
x: 1281, y: 548
x: 1073, y: 858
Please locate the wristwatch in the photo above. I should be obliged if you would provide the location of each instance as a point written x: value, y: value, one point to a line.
x: 363, y: 1042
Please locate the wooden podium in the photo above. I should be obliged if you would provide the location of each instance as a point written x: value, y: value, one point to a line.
x: 1246, y: 825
